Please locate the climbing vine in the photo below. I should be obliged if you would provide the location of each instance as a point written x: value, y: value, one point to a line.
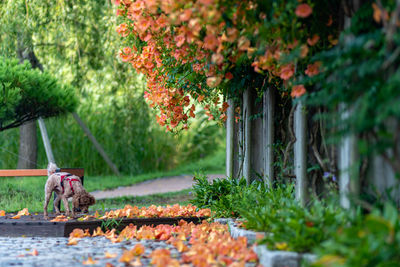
x: 194, y: 51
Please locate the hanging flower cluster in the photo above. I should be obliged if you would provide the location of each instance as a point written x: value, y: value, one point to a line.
x: 189, y: 49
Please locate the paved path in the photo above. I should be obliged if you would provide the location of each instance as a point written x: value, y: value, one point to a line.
x: 54, y: 252
x: 160, y: 185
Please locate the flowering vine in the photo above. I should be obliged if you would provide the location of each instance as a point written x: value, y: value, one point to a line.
x: 191, y: 51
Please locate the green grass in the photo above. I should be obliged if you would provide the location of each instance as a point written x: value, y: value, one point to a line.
x: 28, y: 192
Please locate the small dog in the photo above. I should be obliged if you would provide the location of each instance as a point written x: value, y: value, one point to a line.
x: 66, y: 185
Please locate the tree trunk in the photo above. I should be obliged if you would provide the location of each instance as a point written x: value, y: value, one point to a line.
x: 27, y: 156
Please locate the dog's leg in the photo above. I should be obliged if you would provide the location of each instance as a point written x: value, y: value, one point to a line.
x: 46, y: 203
x: 57, y: 204
x: 66, y: 206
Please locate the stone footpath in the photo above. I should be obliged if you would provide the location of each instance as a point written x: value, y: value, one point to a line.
x: 55, y: 252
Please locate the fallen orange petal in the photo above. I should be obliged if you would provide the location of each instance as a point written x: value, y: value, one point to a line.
x: 77, y: 233
x: 60, y: 218
x: 109, y: 255
x: 72, y: 241
x: 138, y: 249
x: 34, y: 252
x: 89, y: 261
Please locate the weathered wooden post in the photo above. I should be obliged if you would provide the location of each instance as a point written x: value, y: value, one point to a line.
x: 268, y: 135
x: 230, y: 138
x: 300, y: 152
x: 348, y: 170
x: 247, y: 136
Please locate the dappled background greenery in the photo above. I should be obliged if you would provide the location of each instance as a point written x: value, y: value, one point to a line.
x: 76, y: 42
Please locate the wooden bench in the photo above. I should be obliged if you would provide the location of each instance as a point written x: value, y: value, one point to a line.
x: 39, y: 172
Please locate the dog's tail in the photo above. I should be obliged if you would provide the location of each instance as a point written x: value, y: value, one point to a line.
x: 51, y: 168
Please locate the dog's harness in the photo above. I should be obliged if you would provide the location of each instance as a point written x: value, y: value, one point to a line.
x: 66, y: 177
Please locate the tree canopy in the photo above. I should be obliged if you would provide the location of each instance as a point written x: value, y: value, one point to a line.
x: 27, y: 94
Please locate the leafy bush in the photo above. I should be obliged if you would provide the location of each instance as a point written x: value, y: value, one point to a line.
x: 372, y: 240
x: 273, y: 210
x: 220, y: 195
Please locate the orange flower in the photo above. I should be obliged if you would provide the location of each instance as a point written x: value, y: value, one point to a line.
x: 210, y: 42
x: 229, y: 76
x: 217, y: 59
x: 161, y: 21
x: 89, y: 261
x: 303, y: 51
x: 303, y: 10
x: 330, y: 21
x: 298, y: 90
x: 287, y: 72
x: 2, y: 213
x: 123, y: 29
x: 185, y: 16
x: 143, y: 25
x: 138, y: 250
x: 313, y: 40
x: 179, y: 40
x: 213, y: 81
x: 378, y: 13
x: 313, y: 69
x: 137, y: 6
x: 77, y: 233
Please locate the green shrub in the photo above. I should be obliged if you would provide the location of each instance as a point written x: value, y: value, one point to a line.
x: 273, y: 210
x: 371, y: 240
x: 27, y: 94
x: 220, y: 195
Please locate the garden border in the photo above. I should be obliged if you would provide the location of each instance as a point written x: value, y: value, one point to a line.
x: 268, y: 258
x: 42, y: 228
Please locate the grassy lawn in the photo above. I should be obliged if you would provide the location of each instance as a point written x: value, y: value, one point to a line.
x: 28, y: 192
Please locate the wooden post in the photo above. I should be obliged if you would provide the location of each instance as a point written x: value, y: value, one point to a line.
x: 46, y: 141
x: 96, y: 144
x: 348, y: 170
x: 229, y: 138
x: 300, y: 153
x: 247, y: 135
x: 268, y: 136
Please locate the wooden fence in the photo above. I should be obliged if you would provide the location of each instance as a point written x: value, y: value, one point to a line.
x: 250, y: 150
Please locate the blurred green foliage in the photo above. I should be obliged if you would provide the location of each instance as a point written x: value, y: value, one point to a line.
x: 361, y: 79
x: 76, y: 42
x: 371, y: 240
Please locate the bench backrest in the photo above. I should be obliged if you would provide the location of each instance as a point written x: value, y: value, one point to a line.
x: 38, y: 172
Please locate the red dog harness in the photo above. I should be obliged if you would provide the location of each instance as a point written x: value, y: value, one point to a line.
x: 66, y: 177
